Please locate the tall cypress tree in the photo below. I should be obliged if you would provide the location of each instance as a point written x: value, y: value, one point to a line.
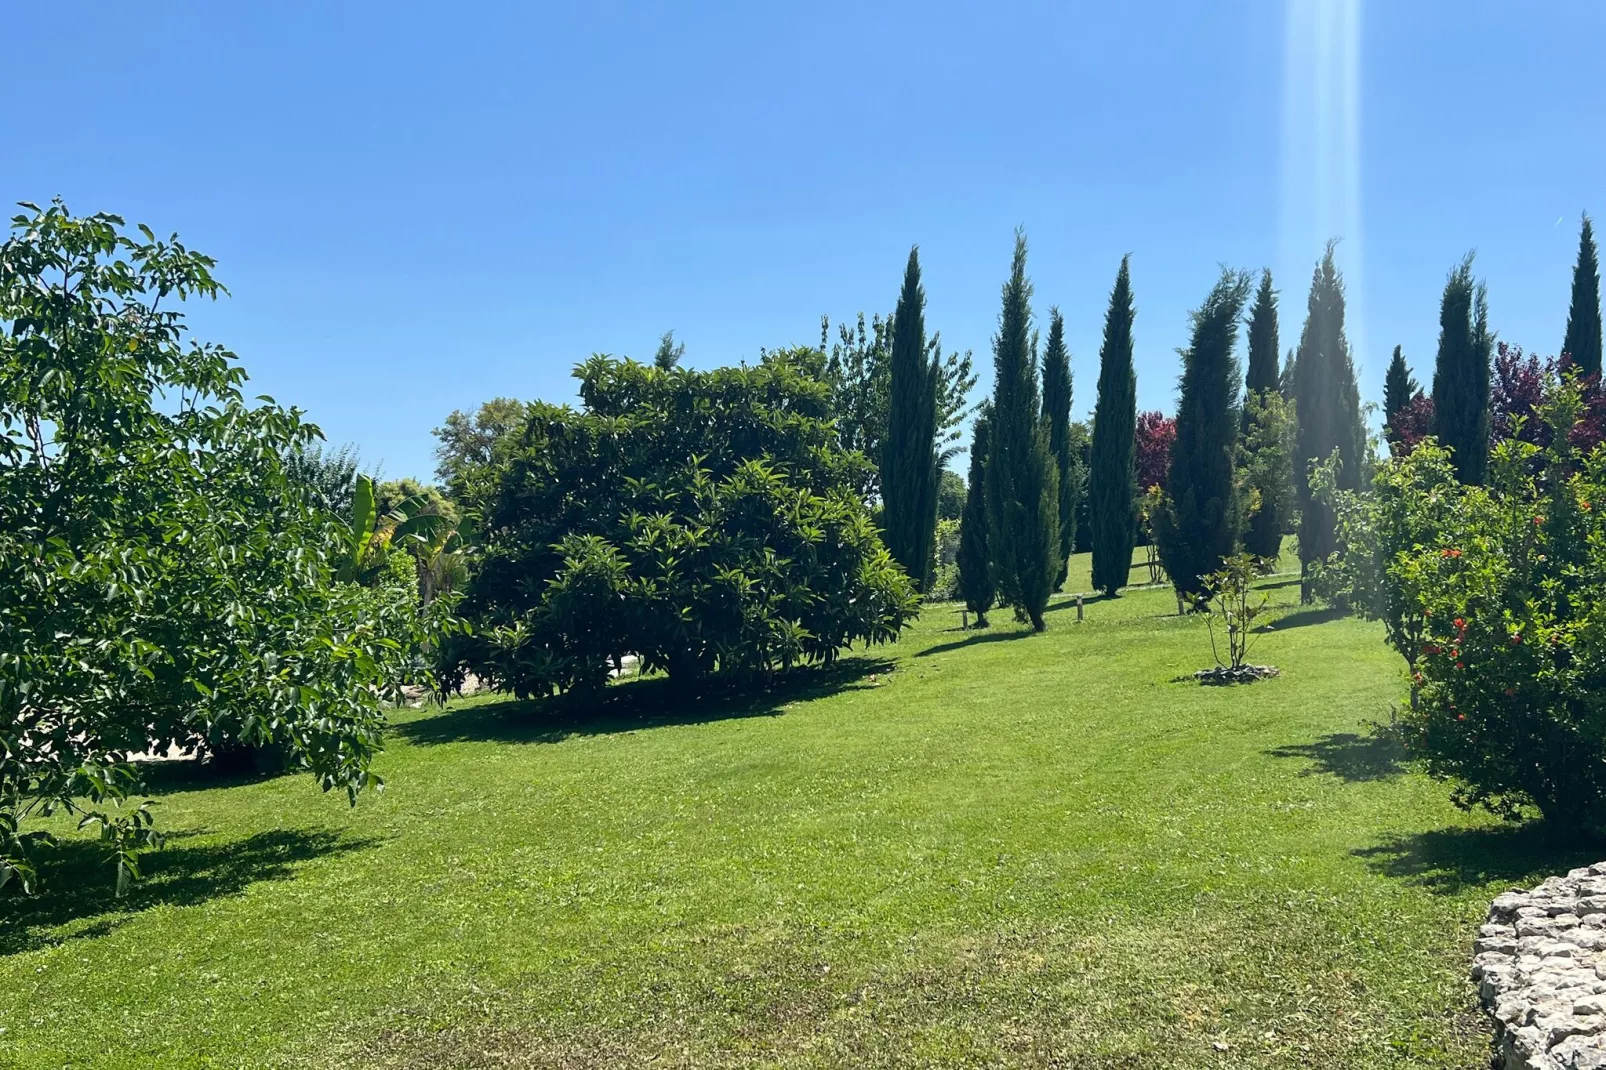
x: 1398, y: 389
x: 909, y: 464
x: 1583, y: 318
x: 1327, y: 407
x: 1263, y: 373
x: 1199, y: 525
x: 975, y: 558
x: 1462, y: 374
x: 1022, y: 482
x: 1057, y: 415
x: 1264, y: 417
x: 1112, y: 479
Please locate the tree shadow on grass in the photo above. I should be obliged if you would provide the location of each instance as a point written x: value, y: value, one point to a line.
x: 1348, y: 756
x: 77, y: 882
x: 650, y: 703
x: 196, y: 774
x: 1302, y: 617
x: 991, y: 635
x: 1449, y: 861
x: 1070, y: 603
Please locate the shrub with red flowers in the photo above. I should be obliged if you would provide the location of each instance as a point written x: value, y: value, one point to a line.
x: 1497, y: 597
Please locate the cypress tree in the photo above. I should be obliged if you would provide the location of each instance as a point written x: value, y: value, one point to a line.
x: 1263, y: 374
x: 974, y: 558
x: 1462, y: 374
x: 1327, y: 409
x: 1263, y: 430
x: 909, y: 464
x: 1022, y: 483
x: 1398, y: 389
x: 1199, y: 525
x: 1582, y: 345
x: 1057, y: 416
x: 1112, y: 479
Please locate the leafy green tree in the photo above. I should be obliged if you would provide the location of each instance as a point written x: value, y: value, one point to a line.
x: 390, y: 493
x: 1463, y: 374
x: 1583, y: 342
x: 1082, y: 452
x: 909, y: 464
x: 706, y: 521
x: 1399, y: 387
x: 976, y: 584
x: 1022, y: 481
x: 163, y: 581
x: 328, y: 475
x: 473, y: 451
x: 859, y: 373
x: 1112, y: 480
x: 670, y: 353
x: 1057, y: 417
x: 1327, y: 409
x: 377, y: 530
x: 1199, y: 523
x: 951, y: 494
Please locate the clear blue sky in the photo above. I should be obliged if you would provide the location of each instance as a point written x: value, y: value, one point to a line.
x: 418, y: 207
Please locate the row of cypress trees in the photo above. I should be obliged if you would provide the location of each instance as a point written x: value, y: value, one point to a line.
x: 1462, y: 370
x: 1019, y: 521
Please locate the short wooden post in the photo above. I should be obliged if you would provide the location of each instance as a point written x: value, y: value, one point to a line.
x: 1079, y: 608
x: 1180, y: 610
x: 964, y: 620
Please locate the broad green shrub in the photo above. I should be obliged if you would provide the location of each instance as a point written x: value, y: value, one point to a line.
x: 703, y: 520
x: 163, y: 578
x: 1497, y: 596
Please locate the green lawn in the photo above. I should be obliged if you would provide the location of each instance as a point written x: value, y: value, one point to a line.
x: 971, y: 849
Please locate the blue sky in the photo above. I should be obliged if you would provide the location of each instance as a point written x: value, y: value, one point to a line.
x: 418, y: 207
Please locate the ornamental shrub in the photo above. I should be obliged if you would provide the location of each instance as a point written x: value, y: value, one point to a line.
x: 1496, y: 595
x: 164, y: 578
x: 706, y: 521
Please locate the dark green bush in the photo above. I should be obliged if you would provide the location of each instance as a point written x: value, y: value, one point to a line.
x: 702, y: 520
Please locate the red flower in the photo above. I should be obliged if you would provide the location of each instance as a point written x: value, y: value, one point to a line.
x: 1460, y: 625
x: 1460, y: 716
x: 1538, y: 520
x: 1449, y: 553
x: 1516, y: 638
x: 1460, y: 665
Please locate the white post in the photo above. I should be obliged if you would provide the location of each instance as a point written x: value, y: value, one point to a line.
x: 1079, y: 607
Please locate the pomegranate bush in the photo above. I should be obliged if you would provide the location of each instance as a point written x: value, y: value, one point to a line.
x: 1504, y: 590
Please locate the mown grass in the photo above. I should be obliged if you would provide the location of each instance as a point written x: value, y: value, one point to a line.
x: 970, y: 849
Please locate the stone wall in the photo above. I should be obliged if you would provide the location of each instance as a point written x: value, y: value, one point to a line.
x: 1541, y: 968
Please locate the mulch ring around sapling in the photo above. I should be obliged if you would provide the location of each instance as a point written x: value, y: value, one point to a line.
x: 1243, y: 674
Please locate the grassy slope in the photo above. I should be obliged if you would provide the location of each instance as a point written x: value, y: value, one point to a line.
x: 1009, y: 850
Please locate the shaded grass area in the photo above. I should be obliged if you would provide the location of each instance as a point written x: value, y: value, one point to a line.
x: 969, y: 849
